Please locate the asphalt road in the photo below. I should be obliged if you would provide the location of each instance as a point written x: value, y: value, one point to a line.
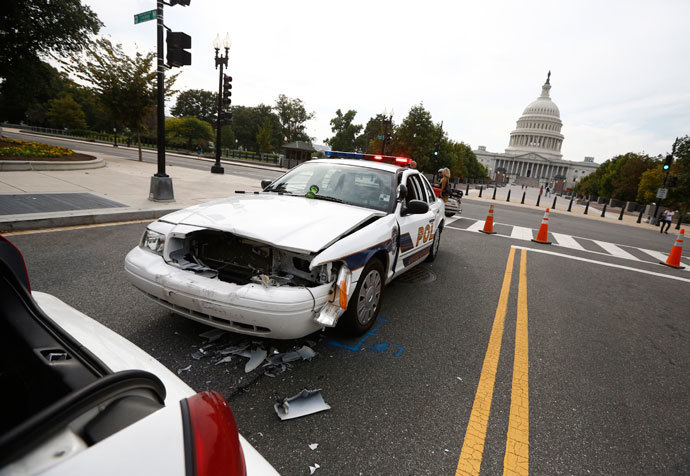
x: 148, y: 155
x: 591, y: 364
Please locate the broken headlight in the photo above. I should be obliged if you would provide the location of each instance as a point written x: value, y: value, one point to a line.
x: 153, y: 241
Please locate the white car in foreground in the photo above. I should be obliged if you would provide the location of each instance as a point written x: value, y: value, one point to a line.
x: 315, y: 248
x: 80, y: 399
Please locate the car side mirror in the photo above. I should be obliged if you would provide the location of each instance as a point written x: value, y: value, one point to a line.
x: 265, y: 183
x: 402, y: 192
x: 417, y: 207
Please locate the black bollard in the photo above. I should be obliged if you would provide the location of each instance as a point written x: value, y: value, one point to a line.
x: 639, y: 217
x: 522, y: 202
x: 481, y: 188
x: 680, y: 219
x: 620, y: 217
x: 508, y: 199
x: 467, y: 190
x: 538, y: 198
x: 603, y: 211
x: 553, y: 207
x: 586, y: 207
x: 494, y: 196
x: 570, y: 205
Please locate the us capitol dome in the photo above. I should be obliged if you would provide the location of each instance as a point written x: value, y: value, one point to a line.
x: 533, y: 156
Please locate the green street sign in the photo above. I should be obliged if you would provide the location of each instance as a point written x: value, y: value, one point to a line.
x: 380, y: 137
x: 145, y: 16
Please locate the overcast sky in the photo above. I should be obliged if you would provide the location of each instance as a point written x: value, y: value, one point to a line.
x: 620, y: 69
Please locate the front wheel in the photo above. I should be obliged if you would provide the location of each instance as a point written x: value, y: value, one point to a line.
x: 365, y: 303
x: 435, y: 245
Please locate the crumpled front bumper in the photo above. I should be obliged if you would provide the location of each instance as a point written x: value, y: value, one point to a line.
x: 279, y: 312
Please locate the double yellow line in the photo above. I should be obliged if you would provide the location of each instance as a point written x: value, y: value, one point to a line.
x: 516, y: 460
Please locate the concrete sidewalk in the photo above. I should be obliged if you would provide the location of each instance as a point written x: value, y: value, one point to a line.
x: 562, y: 203
x: 123, y: 181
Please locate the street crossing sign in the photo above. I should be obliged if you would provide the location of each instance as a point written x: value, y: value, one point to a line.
x: 145, y: 16
x: 661, y: 193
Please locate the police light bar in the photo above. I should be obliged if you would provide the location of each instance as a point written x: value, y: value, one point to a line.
x: 389, y: 159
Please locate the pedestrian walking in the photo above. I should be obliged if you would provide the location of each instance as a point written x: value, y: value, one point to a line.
x: 666, y: 219
x: 548, y: 191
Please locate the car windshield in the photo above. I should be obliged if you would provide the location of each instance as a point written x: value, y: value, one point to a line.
x: 359, y: 186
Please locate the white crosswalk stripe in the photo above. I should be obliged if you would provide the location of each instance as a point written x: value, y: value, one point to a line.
x: 521, y: 233
x: 655, y: 254
x: 615, y: 250
x: 567, y: 241
x: 476, y: 226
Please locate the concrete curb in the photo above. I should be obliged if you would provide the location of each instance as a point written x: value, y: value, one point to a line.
x: 23, y: 165
x: 83, y: 217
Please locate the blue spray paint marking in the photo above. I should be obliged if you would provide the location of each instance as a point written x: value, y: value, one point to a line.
x: 379, y: 347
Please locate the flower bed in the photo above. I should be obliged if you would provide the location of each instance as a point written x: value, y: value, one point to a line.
x: 12, y: 149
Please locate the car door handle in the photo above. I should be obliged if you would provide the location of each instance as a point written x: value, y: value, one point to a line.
x: 432, y: 220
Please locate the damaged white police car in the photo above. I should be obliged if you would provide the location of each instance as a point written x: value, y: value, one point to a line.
x: 314, y: 249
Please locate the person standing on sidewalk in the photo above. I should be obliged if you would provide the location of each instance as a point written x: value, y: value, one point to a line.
x: 667, y: 219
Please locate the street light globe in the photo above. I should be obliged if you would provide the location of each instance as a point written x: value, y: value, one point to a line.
x: 216, y: 42
x: 226, y: 41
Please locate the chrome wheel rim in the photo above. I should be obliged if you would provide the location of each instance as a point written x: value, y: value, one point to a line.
x: 368, y: 299
x: 437, y: 241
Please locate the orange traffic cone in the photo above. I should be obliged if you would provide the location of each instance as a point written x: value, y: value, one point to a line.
x: 673, y: 259
x: 543, y: 234
x: 489, y: 223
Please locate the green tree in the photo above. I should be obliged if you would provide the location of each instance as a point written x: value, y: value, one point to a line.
x: 263, y: 137
x: 190, y: 130
x: 650, y: 181
x: 345, y: 138
x: 125, y: 86
x: 415, y: 138
x: 246, y: 122
x: 196, y: 103
x: 33, y: 28
x: 65, y: 112
x: 680, y: 193
x: 368, y: 140
x: 227, y: 137
x: 628, y: 172
x: 293, y: 116
x: 31, y: 84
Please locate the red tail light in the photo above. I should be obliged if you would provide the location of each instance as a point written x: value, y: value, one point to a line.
x: 378, y: 157
x: 215, y: 447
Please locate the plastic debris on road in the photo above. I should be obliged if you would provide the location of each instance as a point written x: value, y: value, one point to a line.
x: 313, y: 446
x: 186, y: 369
x: 304, y: 403
x: 313, y: 468
x: 257, y: 356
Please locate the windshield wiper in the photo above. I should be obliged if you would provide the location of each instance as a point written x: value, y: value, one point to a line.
x: 327, y: 198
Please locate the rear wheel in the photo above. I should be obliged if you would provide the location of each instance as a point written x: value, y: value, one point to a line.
x: 365, y: 303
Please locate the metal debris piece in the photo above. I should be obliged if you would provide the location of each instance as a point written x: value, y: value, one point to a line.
x: 257, y: 356
x: 186, y: 369
x: 290, y: 357
x: 225, y: 360
x: 304, y: 403
x: 212, y: 335
x: 306, y: 352
x: 313, y: 468
x: 313, y: 446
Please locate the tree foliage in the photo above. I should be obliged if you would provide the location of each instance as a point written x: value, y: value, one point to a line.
x: 415, y: 137
x: 196, y: 103
x: 189, y: 130
x: 345, y: 138
x: 32, y: 28
x: 263, y: 137
x: 293, y: 117
x: 31, y: 84
x: 619, y: 177
x: 65, y: 112
x: 368, y: 140
x: 246, y: 122
x: 125, y: 86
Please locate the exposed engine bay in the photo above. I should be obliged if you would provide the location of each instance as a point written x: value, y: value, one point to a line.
x: 238, y: 260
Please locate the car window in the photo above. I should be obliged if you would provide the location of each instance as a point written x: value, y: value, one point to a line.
x: 429, y: 191
x: 359, y: 186
x: 420, y: 193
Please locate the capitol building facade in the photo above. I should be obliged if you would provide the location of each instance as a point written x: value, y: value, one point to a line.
x: 533, y: 156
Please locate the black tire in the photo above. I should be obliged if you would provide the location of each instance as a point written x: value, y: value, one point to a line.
x: 365, y: 303
x: 434, y: 246
x: 449, y: 214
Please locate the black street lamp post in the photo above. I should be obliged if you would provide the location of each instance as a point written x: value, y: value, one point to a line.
x: 221, y: 61
x: 115, y: 137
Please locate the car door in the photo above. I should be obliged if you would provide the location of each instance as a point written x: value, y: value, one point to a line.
x: 416, y: 230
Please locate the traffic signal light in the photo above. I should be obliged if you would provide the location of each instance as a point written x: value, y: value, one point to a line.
x: 225, y: 118
x: 668, y: 161
x: 227, y: 86
x: 178, y: 42
x: 436, y: 147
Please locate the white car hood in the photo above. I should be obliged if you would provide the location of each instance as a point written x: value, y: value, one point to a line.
x: 293, y: 223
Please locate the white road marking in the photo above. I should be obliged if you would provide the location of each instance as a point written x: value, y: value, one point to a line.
x: 521, y: 233
x: 615, y: 250
x: 476, y: 226
x: 655, y: 254
x: 567, y: 241
x: 603, y: 263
